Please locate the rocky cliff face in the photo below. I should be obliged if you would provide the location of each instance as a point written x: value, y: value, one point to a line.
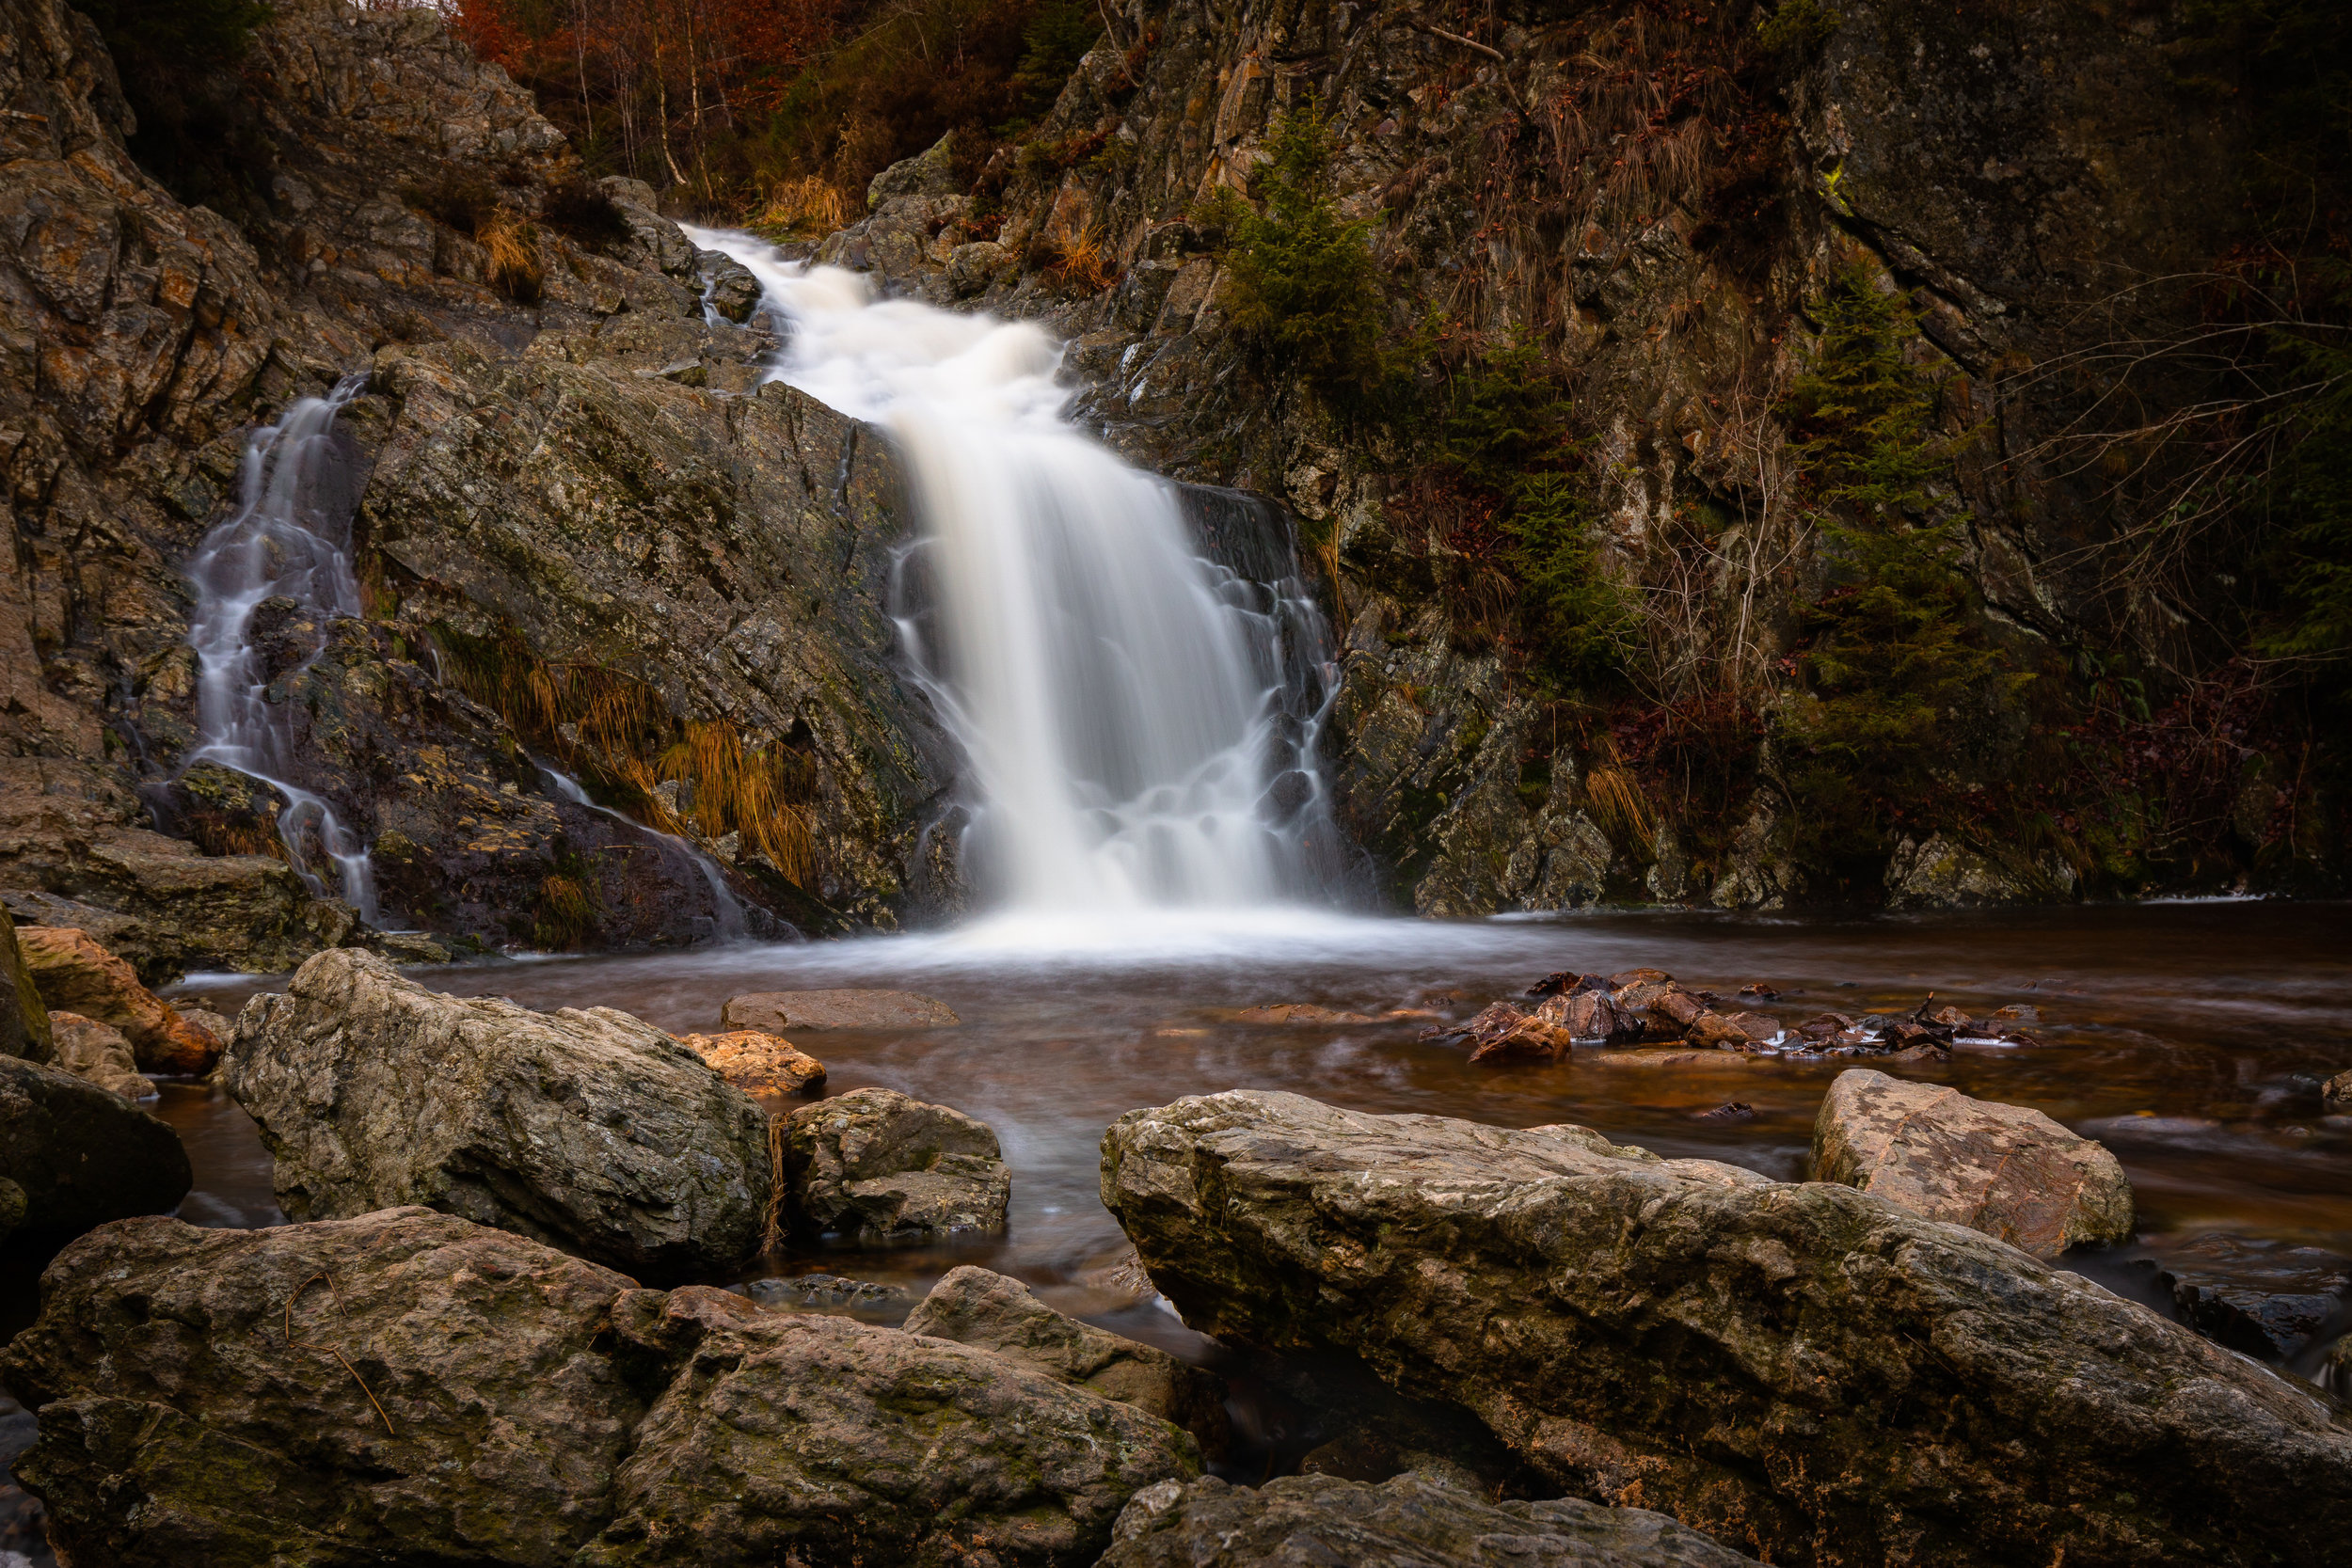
x: 1662, y: 200
x: 557, y: 457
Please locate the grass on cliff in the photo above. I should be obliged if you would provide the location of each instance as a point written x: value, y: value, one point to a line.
x: 1896, y: 658
x: 620, y: 737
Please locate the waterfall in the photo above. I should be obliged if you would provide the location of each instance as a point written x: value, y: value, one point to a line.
x: 289, y: 537
x: 730, y: 920
x: 1121, y: 702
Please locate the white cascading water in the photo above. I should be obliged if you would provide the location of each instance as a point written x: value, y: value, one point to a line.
x: 1118, y: 718
x: 289, y: 537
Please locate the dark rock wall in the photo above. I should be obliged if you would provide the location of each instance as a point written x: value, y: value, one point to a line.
x: 1660, y: 199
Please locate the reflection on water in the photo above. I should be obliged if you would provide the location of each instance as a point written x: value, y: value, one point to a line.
x: 2191, y: 1038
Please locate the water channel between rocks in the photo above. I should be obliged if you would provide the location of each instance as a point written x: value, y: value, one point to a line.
x: 2189, y: 1037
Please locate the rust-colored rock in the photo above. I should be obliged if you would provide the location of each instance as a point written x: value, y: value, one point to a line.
x: 1733, y: 1031
x: 759, y: 1062
x: 1586, y: 1015
x: 2007, y: 1170
x: 1302, y: 1012
x: 1502, y: 1033
x: 77, y: 974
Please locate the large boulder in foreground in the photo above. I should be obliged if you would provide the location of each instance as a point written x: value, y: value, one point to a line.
x: 1409, y: 1522
x: 456, y: 1394
x: 881, y: 1167
x: 2007, y: 1170
x: 976, y: 1307
x: 1802, y: 1371
x: 73, y: 1155
x: 77, y: 974
x: 587, y: 1129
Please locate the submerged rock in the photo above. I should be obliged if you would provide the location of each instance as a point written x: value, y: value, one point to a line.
x: 589, y: 1130
x: 1776, y: 1362
x: 829, y: 1293
x: 73, y: 1155
x: 2007, y: 1170
x: 2265, y: 1298
x: 879, y: 1165
x: 450, y: 1392
x: 97, y: 1054
x: 761, y: 1063
x: 1300, y: 1012
x: 974, y: 1306
x: 78, y: 976
x: 1502, y: 1033
x: 1410, y: 1522
x: 774, y: 1011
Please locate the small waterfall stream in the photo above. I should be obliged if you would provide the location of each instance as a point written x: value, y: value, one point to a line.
x: 1123, y: 703
x: 289, y: 537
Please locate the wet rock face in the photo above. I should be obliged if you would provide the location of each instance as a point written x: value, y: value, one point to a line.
x: 73, y: 1155
x: 2007, y: 1170
x: 597, y: 1423
x: 877, y: 1164
x: 975, y: 1306
x: 1764, y: 1360
x: 588, y: 1131
x: 1410, y: 1522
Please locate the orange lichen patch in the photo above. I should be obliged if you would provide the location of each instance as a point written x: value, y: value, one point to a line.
x: 757, y: 1062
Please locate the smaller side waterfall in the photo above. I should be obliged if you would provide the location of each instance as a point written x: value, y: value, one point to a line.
x: 289, y: 537
x: 732, y: 921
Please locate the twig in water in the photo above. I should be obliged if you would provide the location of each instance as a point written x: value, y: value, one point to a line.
x: 303, y: 1344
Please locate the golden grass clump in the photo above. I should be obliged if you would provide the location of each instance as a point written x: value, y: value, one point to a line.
x: 808, y: 207
x: 616, y: 729
x: 1079, y: 258
x: 514, y: 248
x: 1618, y: 797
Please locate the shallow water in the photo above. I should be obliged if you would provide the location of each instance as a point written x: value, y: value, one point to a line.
x: 2192, y: 1038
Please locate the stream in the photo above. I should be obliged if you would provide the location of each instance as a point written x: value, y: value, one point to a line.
x: 2190, y: 1037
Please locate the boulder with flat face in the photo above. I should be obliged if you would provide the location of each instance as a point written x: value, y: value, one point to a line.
x: 73, y: 1155
x: 97, y: 1054
x: 587, y: 1129
x: 1409, y: 1522
x: 879, y: 1165
x: 2007, y: 1170
x: 1804, y: 1370
x: 77, y: 974
x: 23, y: 1017
x: 975, y: 1306
x: 406, y: 1386
x: 776, y: 1011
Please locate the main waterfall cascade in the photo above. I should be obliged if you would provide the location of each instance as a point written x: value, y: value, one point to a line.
x: 289, y: 537
x: 1140, y: 721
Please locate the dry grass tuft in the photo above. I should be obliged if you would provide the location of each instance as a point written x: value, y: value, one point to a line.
x: 1618, y: 798
x: 1078, y: 259
x: 807, y: 208
x: 514, y: 247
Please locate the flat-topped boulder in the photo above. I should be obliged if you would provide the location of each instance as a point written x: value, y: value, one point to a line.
x: 884, y: 1166
x: 1807, y: 1372
x: 975, y: 1307
x: 73, y: 1155
x: 587, y: 1129
x: 774, y: 1012
x: 406, y: 1386
x: 1409, y: 1522
x: 757, y: 1062
x: 2007, y: 1170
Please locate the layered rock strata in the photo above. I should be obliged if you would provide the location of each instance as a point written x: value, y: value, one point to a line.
x: 975, y: 1307
x: 881, y: 1166
x: 406, y: 1386
x: 1798, y: 1369
x: 585, y: 1130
